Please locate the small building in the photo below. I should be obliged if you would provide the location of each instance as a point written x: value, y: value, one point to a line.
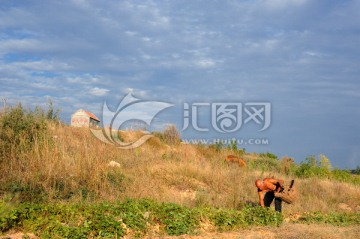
x: 82, y: 118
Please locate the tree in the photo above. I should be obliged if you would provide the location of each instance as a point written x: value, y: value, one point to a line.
x: 51, y: 113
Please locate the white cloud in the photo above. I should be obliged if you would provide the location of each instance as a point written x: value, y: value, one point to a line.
x: 19, y: 45
x: 281, y: 4
x: 41, y: 66
x: 205, y: 63
x: 98, y: 91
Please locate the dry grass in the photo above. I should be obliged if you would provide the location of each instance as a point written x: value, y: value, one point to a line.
x: 73, y: 165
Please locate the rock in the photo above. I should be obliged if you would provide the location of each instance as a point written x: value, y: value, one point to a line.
x: 114, y: 164
x: 146, y: 215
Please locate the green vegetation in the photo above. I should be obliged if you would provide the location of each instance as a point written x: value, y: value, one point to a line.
x: 227, y: 219
x: 265, y: 164
x: 337, y: 219
x: 312, y: 167
x: 356, y: 170
x: 268, y: 155
x: 59, y: 183
x: 20, y: 129
x: 321, y: 168
x: 136, y: 216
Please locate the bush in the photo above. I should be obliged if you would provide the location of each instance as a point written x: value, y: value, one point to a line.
x: 171, y: 135
x: 356, y: 171
x: 24, y: 136
x: 226, y: 219
x: 312, y: 167
x: 233, y: 146
x: 287, y: 165
x: 341, y: 175
x: 19, y: 129
x: 268, y: 155
x: 178, y: 220
x: 52, y: 114
x: 265, y: 164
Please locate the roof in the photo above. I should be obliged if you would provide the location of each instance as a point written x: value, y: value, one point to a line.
x: 88, y: 113
x: 91, y: 115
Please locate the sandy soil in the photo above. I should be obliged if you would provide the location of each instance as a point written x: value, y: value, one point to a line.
x: 285, y: 231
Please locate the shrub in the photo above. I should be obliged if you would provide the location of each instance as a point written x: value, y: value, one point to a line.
x: 262, y: 216
x: 287, y: 165
x: 314, y: 168
x: 52, y: 114
x: 233, y: 146
x: 171, y: 135
x: 226, y: 219
x: 356, y: 171
x: 268, y: 155
x: 19, y: 129
x: 345, y: 176
x: 178, y: 220
x: 218, y: 146
x: 265, y: 164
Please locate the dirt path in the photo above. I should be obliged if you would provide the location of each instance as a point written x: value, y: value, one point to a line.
x: 285, y: 231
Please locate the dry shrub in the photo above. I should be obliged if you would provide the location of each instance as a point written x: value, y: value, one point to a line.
x: 286, y: 165
x: 171, y: 135
x: 66, y: 166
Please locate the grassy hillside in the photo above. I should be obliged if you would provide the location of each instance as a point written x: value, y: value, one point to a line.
x: 47, y: 163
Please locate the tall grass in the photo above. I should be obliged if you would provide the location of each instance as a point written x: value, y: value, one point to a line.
x: 44, y: 161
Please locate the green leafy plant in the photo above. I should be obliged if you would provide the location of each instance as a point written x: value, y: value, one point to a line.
x: 178, y: 220
x: 109, y: 220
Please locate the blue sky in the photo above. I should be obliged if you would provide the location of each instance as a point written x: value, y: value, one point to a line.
x: 302, y: 56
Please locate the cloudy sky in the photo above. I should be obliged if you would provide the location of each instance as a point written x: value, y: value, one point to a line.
x: 301, y: 56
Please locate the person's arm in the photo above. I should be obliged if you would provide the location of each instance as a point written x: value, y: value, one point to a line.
x: 281, y: 185
x: 277, y: 182
x: 261, y: 199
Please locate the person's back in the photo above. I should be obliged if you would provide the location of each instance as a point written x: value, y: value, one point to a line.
x: 269, y: 186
